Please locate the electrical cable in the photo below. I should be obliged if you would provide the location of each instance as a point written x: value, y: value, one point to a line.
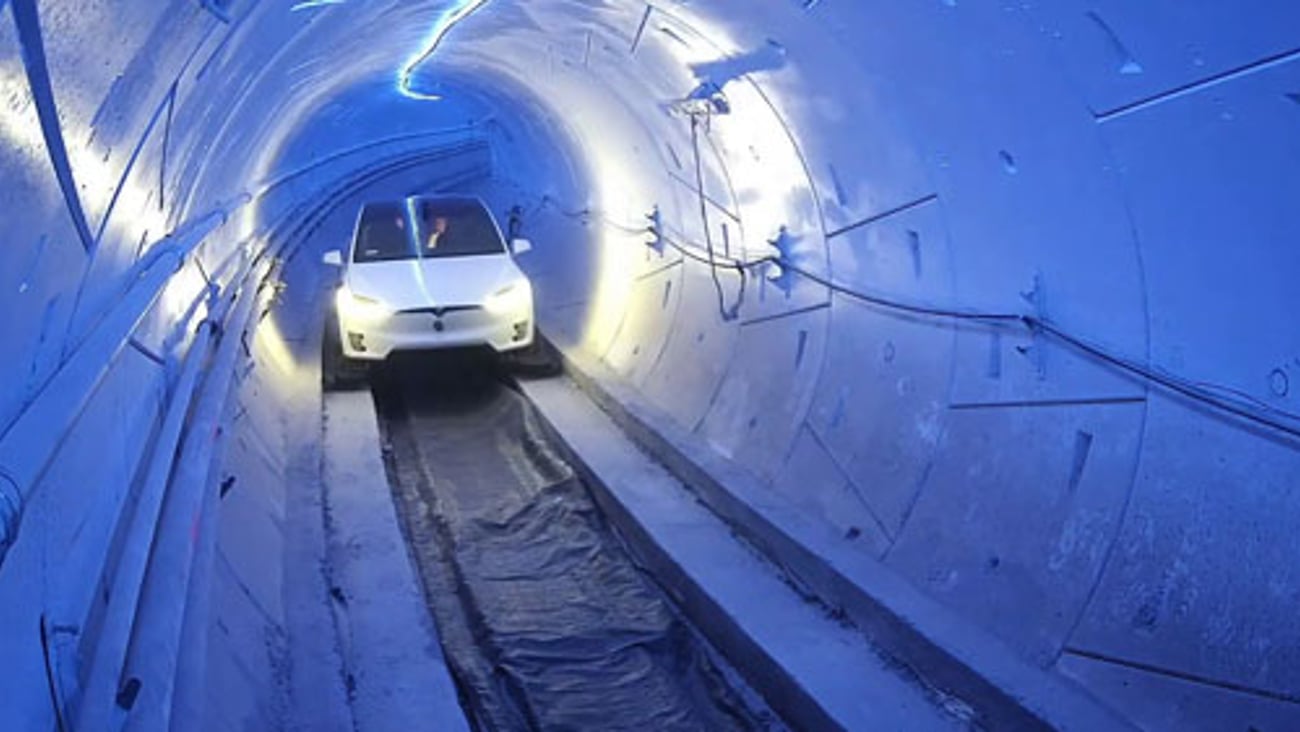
x: 727, y: 314
x: 586, y: 214
x: 1241, y: 397
x: 1244, y: 406
x: 912, y: 308
x: 685, y: 250
x: 1199, y: 392
x: 689, y: 252
x: 1228, y: 400
x: 1169, y: 381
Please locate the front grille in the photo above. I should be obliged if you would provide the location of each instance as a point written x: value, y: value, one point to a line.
x: 423, y: 320
x: 439, y: 311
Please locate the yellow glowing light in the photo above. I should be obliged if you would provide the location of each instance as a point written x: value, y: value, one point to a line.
x: 275, y: 348
x: 622, y: 195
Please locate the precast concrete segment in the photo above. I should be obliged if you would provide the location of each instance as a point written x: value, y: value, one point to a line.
x: 1000, y: 689
x: 796, y: 653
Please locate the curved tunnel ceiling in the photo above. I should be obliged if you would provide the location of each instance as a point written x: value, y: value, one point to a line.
x: 1120, y: 509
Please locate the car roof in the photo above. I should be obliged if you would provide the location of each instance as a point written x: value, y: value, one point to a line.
x: 461, y: 199
x: 446, y: 199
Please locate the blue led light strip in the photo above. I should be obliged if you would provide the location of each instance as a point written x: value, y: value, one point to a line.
x: 459, y: 10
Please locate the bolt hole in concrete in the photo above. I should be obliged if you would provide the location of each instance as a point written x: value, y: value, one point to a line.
x: 546, y: 621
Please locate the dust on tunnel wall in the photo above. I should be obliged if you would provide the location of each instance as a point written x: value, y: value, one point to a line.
x: 1126, y: 172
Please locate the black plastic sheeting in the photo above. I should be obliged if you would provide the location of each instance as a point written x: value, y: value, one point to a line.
x: 546, y: 622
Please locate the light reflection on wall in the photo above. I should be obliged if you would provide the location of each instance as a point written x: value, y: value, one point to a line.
x: 622, y: 140
x: 276, y: 348
x: 761, y: 159
x: 136, y: 210
x: 747, y: 148
x: 622, y: 196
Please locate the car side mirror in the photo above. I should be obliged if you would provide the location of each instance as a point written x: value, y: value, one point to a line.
x: 333, y: 258
x: 520, y: 246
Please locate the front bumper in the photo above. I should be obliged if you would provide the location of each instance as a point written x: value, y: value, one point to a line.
x: 374, y: 338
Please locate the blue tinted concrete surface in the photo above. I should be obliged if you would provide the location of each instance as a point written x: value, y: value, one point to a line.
x: 1126, y: 171
x: 390, y: 647
x: 799, y: 640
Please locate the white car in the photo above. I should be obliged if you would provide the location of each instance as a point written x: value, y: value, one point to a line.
x: 430, y: 272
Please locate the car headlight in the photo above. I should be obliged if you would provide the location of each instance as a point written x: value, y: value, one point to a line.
x: 352, y: 306
x: 512, y: 298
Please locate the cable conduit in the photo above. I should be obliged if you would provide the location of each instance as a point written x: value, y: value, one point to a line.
x: 1240, y: 406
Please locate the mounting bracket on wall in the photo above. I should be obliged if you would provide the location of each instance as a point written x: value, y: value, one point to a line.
x: 777, y: 272
x: 1037, y: 348
x: 703, y: 102
x: 656, y: 230
x: 11, y: 509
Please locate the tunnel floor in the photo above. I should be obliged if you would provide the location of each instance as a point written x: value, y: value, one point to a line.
x: 547, y: 623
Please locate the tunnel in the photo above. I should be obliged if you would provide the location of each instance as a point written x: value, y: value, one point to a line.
x: 923, y: 365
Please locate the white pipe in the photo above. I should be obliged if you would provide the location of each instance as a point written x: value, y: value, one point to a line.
x: 110, y: 650
x: 151, y: 657
x: 26, y: 448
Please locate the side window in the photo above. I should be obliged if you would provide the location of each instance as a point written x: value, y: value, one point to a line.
x: 382, y: 234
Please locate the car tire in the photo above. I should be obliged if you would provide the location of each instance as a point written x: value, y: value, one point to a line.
x: 338, y: 372
x: 538, y: 360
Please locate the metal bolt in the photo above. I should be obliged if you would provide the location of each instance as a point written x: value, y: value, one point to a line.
x: 11, y: 511
x: 1279, y: 383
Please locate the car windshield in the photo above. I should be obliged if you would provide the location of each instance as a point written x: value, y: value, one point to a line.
x: 455, y: 228
x: 382, y: 234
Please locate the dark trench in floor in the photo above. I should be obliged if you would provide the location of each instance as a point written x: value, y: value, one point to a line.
x: 546, y: 621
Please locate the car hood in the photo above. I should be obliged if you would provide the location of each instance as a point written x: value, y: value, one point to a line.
x: 423, y: 283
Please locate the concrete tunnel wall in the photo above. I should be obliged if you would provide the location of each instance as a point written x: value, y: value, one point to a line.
x: 1126, y: 173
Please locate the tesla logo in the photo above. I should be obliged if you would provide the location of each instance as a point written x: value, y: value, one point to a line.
x: 439, y: 312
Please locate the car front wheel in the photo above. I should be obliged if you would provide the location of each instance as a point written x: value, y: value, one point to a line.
x: 338, y: 372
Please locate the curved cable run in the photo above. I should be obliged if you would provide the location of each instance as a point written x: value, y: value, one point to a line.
x: 901, y: 306
x: 1243, y: 407
x: 1196, y: 391
x: 1224, y: 399
x: 686, y: 250
x: 728, y: 314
